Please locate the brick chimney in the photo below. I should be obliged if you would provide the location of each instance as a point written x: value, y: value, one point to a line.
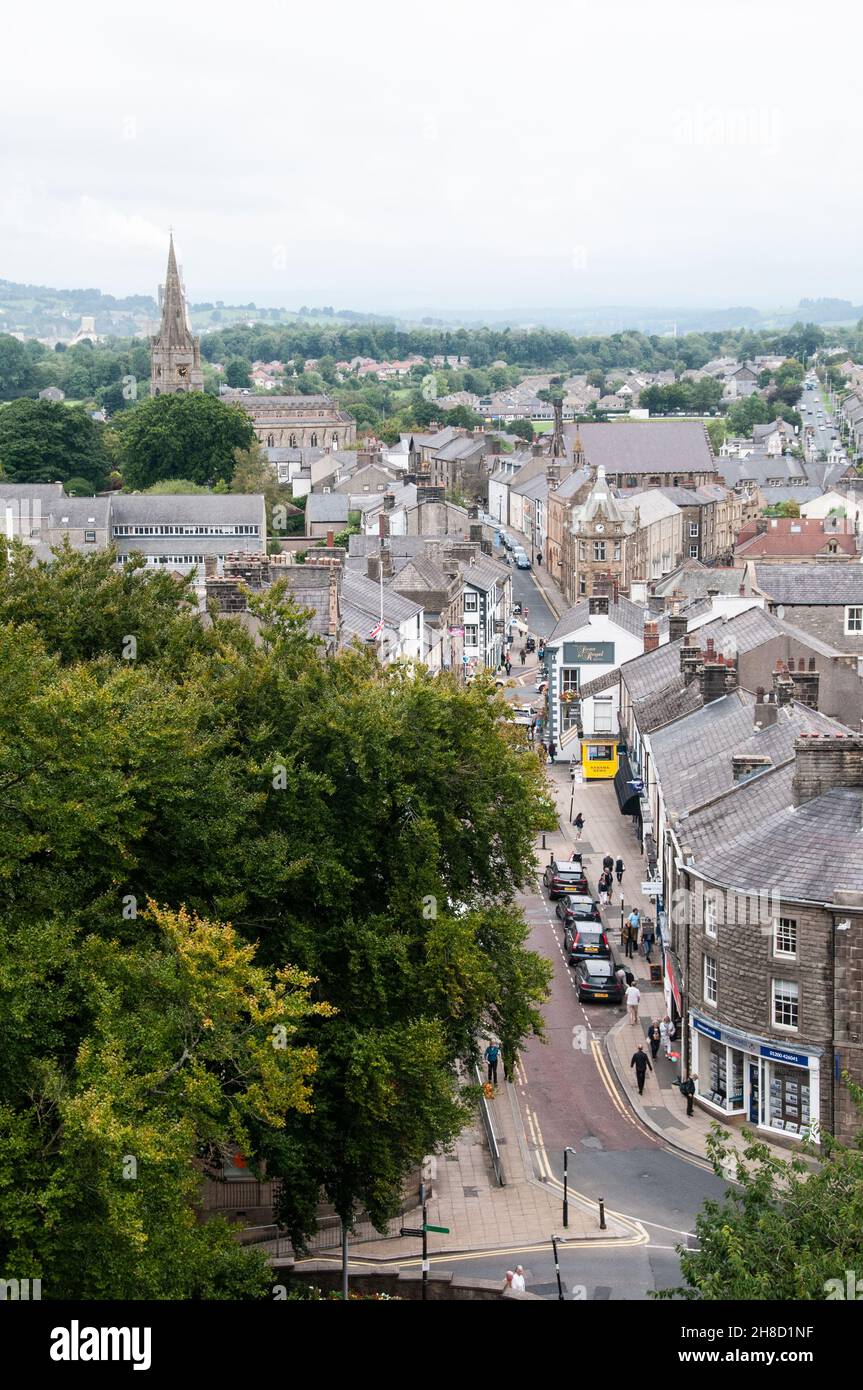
x: 331, y: 538
x: 373, y: 566
x: 745, y: 765
x: 783, y: 684
x: 383, y: 525
x: 765, y: 708
x: 716, y: 676
x: 825, y: 761
x: 389, y: 501
x: 691, y: 659
x: 676, y: 626
x: 386, y: 561
x: 651, y: 636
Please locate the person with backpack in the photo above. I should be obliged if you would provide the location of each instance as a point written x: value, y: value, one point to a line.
x: 492, y: 1054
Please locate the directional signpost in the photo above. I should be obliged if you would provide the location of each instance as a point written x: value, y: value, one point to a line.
x: 421, y: 1233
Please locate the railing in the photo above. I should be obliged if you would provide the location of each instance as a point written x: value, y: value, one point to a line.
x: 491, y: 1137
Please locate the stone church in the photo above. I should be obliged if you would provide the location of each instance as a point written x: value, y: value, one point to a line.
x: 296, y: 422
x: 175, y: 355
x: 280, y: 422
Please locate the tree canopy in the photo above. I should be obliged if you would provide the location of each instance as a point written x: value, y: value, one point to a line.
x: 48, y: 442
x: 206, y: 839
x: 187, y: 435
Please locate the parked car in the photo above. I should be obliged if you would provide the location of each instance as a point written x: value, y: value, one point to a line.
x: 597, y: 979
x: 562, y: 877
x: 522, y: 561
x: 589, y: 942
x: 578, y: 906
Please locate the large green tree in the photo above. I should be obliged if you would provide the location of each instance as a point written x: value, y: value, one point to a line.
x: 368, y: 827
x: 16, y: 367
x: 187, y: 435
x: 47, y: 442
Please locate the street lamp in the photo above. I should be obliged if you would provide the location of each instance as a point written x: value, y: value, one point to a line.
x: 566, y: 1153
x: 555, y: 1241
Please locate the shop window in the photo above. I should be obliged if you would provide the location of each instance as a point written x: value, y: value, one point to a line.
x: 569, y: 703
x: 711, y: 980
x: 788, y: 1097
x: 786, y: 1003
x: 718, y: 1074
x: 785, y: 937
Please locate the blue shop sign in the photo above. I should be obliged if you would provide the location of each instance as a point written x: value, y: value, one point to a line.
x: 705, y: 1028
x: 778, y: 1054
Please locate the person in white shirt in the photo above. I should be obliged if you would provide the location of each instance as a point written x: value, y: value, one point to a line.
x: 633, y: 999
x: 666, y: 1029
x: 518, y: 1279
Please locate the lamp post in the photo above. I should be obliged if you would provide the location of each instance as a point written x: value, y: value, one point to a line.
x: 567, y: 1151
x: 555, y: 1241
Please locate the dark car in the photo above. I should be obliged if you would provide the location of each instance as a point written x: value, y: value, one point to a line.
x: 578, y: 905
x: 562, y: 877
x: 598, y: 980
x: 588, y: 941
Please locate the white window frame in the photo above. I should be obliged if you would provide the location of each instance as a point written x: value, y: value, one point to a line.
x: 693, y: 552
x: 471, y: 603
x: 471, y: 641
x: 710, y: 916
x: 778, y: 994
x: 787, y: 927
x: 711, y: 978
x: 598, y: 552
x: 693, y: 528
x: 854, y: 624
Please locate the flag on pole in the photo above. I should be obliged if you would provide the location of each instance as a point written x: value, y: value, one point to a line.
x: 376, y: 631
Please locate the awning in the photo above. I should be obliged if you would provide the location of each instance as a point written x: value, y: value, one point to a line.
x: 627, y: 789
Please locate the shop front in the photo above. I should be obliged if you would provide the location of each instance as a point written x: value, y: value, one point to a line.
x: 763, y: 1083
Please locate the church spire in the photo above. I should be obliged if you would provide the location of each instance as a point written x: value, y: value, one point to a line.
x: 175, y: 353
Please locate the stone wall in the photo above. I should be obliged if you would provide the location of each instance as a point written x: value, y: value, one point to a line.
x: 824, y: 621
x: 440, y: 1286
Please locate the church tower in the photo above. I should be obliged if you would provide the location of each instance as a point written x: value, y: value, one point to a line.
x: 175, y: 355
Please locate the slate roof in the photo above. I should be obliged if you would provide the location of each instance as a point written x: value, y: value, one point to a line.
x: 484, y: 574
x: 186, y: 509
x: 648, y: 446
x: 365, y: 596
x: 807, y: 852
x: 811, y: 584
x: 654, y: 680
x: 624, y: 613
x: 327, y: 506
x: 693, y: 755
x: 694, y: 579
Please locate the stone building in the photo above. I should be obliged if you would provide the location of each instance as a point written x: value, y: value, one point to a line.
x: 824, y: 600
x: 772, y: 947
x: 175, y: 354
x: 296, y: 422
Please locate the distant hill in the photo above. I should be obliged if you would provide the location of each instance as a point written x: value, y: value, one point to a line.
x: 37, y: 311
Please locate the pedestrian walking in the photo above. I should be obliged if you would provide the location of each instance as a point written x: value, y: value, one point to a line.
x: 579, y: 825
x: 552, y: 751
x: 687, y: 1088
x: 633, y: 999
x: 666, y: 1029
x: 508, y: 665
x: 603, y: 892
x: 518, y: 1279
x: 521, y: 656
x: 654, y: 1037
x: 647, y: 940
x: 492, y: 1054
x: 619, y: 870
x: 624, y: 938
x: 642, y: 1066
x: 634, y: 920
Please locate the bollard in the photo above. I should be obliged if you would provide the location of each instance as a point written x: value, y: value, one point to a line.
x: 602, y: 1225
x: 543, y: 839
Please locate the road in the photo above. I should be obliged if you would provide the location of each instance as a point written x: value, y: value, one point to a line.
x: 823, y: 435
x: 570, y: 1098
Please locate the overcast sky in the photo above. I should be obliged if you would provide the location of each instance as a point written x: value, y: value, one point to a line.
x: 473, y: 155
